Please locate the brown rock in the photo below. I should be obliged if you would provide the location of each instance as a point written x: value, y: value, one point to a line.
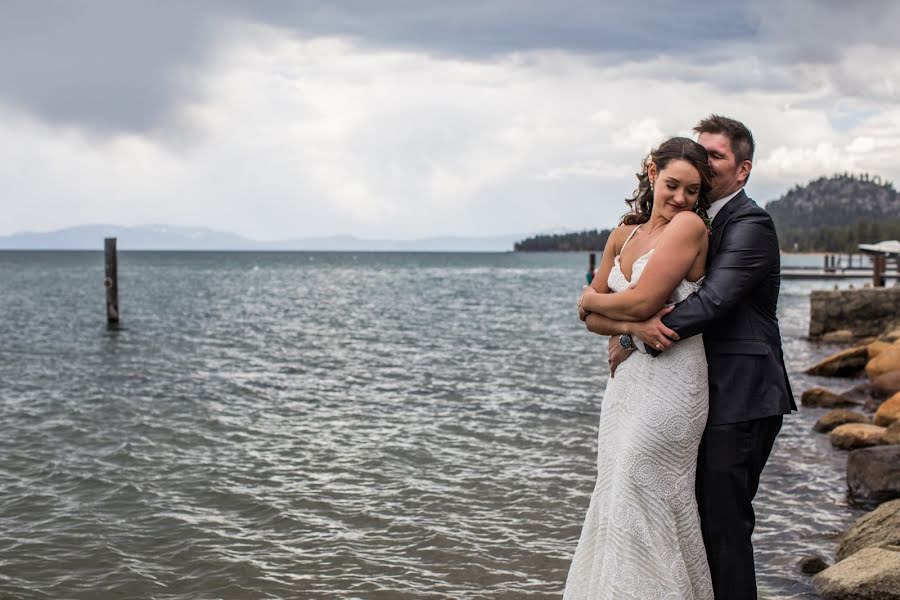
x: 844, y: 363
x: 891, y: 435
x: 873, y: 474
x: 840, y: 336
x: 810, y: 565
x: 870, y: 574
x: 886, y: 361
x: 877, y: 347
x: 821, y: 398
x: 881, y: 527
x: 889, y: 411
x: 860, y: 394
x: 837, y: 417
x: 886, y: 384
x: 856, y: 435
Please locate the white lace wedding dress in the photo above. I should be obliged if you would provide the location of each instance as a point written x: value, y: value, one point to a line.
x: 641, y: 538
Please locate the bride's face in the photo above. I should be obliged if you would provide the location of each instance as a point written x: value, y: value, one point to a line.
x: 675, y: 188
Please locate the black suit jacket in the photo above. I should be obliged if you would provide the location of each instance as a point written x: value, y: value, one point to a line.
x: 735, y: 311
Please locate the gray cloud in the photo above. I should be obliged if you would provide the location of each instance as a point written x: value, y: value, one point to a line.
x: 107, y: 65
x: 101, y: 65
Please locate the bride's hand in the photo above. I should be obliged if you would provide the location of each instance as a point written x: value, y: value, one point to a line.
x: 587, y: 297
x: 582, y: 314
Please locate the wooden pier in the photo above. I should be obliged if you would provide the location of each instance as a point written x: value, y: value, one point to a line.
x: 817, y: 273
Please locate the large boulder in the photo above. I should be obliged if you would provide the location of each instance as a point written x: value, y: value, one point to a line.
x: 888, y: 412
x: 857, y: 435
x: 818, y: 397
x: 842, y: 364
x: 873, y: 474
x: 837, y: 417
x: 870, y: 574
x: 881, y: 527
x: 886, y: 361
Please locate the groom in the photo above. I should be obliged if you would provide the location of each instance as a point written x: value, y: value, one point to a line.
x: 748, y: 385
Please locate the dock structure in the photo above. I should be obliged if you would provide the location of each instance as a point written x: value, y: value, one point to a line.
x: 881, y: 254
x: 878, y: 263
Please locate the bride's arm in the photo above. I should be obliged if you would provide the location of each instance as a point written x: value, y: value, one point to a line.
x: 595, y: 322
x: 681, y: 243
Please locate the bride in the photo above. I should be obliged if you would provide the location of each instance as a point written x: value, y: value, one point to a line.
x: 641, y: 537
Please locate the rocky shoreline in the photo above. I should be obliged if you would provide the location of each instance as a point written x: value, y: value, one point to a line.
x: 865, y: 421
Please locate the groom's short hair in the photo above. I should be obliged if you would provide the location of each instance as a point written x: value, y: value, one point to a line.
x: 741, y: 139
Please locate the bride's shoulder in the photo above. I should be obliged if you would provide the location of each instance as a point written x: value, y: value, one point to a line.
x: 687, y: 222
x: 619, y: 234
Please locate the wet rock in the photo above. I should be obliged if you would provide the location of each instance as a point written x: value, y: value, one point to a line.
x: 873, y: 474
x: 888, y: 412
x: 860, y: 394
x: 881, y: 527
x: 870, y: 574
x: 886, y: 361
x: 818, y: 397
x: 891, y: 435
x: 842, y: 364
x: 810, y: 565
x: 837, y: 417
x: 856, y: 435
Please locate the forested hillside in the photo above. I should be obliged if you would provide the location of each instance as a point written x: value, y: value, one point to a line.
x: 587, y: 241
x: 836, y: 214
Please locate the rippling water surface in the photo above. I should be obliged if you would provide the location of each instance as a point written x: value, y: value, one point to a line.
x: 299, y: 425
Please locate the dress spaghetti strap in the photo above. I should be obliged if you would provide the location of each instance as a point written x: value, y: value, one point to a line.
x: 628, y: 239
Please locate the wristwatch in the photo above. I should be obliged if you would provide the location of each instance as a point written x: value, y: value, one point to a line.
x: 626, y: 342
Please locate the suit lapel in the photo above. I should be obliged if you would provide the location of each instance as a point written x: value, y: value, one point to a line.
x: 721, y: 221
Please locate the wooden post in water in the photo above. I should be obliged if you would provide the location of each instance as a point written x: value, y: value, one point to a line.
x: 111, y: 283
x: 879, y: 267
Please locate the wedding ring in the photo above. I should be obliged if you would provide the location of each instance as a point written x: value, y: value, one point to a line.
x: 658, y: 346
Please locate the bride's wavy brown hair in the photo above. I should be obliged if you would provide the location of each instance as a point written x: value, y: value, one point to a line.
x: 676, y: 148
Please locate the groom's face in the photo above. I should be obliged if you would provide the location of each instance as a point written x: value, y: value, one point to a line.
x: 728, y: 176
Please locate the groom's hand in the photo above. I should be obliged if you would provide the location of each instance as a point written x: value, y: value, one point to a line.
x: 653, y: 333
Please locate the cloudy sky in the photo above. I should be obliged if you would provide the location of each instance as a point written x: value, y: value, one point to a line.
x: 417, y: 118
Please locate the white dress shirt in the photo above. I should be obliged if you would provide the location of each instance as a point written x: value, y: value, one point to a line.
x: 716, y: 206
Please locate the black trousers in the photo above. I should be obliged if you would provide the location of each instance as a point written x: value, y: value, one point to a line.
x: 731, y: 459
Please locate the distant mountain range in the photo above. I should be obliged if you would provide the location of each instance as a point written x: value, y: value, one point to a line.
x: 166, y: 237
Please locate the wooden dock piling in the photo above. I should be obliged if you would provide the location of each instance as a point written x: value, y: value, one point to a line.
x: 879, y: 268
x: 111, y: 283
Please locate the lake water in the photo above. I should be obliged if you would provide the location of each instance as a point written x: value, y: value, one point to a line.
x: 312, y: 425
